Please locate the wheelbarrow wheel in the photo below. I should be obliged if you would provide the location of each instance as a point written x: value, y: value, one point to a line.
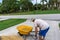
x: 20, y: 34
x: 24, y: 36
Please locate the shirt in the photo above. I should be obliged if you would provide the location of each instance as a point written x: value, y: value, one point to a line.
x: 41, y: 23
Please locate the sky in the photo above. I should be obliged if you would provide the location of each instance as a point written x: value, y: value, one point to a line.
x: 34, y: 1
x: 38, y: 1
x: 0, y: 1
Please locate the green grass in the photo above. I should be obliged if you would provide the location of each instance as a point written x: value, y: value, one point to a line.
x: 36, y: 12
x: 10, y: 22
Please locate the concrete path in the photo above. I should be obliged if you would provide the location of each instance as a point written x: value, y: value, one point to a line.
x: 42, y: 16
x: 53, y: 33
x: 3, y: 19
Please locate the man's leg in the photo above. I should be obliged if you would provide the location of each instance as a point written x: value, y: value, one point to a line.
x: 42, y: 34
x: 41, y: 38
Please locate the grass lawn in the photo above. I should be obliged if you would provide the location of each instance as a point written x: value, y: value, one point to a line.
x: 36, y: 12
x: 10, y: 22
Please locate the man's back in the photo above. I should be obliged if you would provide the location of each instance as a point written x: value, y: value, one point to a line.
x: 42, y: 24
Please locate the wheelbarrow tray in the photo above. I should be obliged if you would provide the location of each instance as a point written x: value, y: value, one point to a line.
x: 24, y: 29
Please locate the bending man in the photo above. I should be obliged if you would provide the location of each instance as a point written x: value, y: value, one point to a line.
x: 43, y: 28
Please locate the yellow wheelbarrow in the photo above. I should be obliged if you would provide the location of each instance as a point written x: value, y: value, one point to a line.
x: 24, y: 30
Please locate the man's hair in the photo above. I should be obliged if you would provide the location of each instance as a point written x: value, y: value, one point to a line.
x: 33, y: 19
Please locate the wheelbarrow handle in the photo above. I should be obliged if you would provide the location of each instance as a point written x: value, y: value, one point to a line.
x: 35, y: 37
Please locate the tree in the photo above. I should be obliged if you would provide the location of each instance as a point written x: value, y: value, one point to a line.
x: 53, y: 4
x: 0, y: 7
x: 0, y: 4
x: 26, y: 5
x: 44, y: 5
x: 39, y: 6
x: 10, y: 5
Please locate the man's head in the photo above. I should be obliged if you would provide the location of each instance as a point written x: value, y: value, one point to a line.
x: 32, y: 19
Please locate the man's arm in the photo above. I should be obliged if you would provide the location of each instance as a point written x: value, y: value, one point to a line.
x: 36, y: 30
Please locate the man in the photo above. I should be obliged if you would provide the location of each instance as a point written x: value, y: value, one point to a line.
x: 43, y: 28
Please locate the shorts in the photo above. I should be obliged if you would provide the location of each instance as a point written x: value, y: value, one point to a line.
x: 43, y: 32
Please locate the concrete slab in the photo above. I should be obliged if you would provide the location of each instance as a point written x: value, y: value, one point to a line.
x: 53, y: 33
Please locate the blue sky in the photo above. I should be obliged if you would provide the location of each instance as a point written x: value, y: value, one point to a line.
x: 38, y: 1
x: 0, y: 1
x: 34, y: 1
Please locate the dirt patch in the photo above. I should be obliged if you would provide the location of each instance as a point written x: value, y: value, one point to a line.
x: 11, y: 38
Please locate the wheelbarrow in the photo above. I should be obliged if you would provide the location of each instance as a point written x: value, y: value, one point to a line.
x: 24, y: 30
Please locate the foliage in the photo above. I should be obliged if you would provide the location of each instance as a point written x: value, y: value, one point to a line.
x: 53, y: 4
x: 35, y: 12
x: 10, y: 6
x: 26, y: 5
x: 37, y: 6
